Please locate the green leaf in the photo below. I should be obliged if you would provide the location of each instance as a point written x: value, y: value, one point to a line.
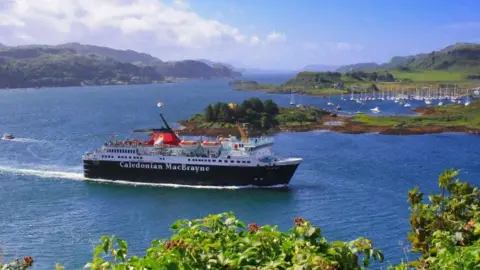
x: 176, y: 225
x: 310, y: 232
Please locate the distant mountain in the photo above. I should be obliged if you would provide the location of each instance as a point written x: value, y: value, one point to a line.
x: 127, y: 56
x: 194, y: 69
x: 358, y: 67
x: 180, y: 69
x: 78, y: 64
x: 459, y: 56
x: 320, y: 68
x: 45, y: 66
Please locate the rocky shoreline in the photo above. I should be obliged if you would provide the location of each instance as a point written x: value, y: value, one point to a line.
x: 338, y: 124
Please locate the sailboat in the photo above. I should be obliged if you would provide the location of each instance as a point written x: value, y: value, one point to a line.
x: 329, y: 102
x: 160, y: 103
x: 292, y: 99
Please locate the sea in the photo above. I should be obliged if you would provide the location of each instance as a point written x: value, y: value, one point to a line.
x: 348, y: 185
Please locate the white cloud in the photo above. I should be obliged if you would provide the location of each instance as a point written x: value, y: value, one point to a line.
x: 275, y: 36
x: 254, y: 40
x: 169, y: 31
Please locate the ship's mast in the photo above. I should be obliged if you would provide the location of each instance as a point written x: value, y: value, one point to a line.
x: 243, y: 132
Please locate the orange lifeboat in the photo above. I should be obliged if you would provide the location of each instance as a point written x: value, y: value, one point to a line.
x: 222, y: 139
x: 211, y: 145
x: 188, y: 144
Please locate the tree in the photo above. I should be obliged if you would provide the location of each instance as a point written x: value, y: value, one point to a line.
x: 217, y: 107
x: 270, y: 107
x: 446, y: 231
x: 254, y: 103
x: 209, y: 114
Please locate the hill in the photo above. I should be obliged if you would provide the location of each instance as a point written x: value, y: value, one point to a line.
x: 39, y: 66
x: 319, y: 68
x: 194, y: 69
x: 316, y: 81
x: 456, y: 57
x: 75, y: 64
x: 359, y: 66
x: 176, y: 69
x: 127, y: 56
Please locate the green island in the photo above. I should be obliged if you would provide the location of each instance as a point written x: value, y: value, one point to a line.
x: 74, y: 64
x: 445, y: 234
x: 457, y: 66
x: 455, y: 116
x: 262, y: 117
x: 266, y: 117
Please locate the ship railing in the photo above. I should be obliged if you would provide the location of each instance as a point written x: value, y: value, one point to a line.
x: 253, y: 141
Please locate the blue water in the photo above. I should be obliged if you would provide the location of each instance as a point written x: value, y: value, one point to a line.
x: 349, y: 185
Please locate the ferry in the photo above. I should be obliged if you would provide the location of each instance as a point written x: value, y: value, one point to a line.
x: 164, y: 158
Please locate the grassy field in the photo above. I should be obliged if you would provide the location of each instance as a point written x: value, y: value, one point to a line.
x: 431, y: 75
x: 449, y: 115
x: 310, y: 91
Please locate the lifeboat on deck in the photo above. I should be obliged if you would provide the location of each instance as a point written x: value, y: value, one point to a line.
x: 223, y: 139
x: 211, y: 145
x: 188, y: 144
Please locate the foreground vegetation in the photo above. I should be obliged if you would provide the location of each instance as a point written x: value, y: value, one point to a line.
x: 445, y: 233
x: 260, y: 115
x: 452, y: 115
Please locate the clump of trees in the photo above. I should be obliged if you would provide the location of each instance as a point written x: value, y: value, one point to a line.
x: 253, y: 111
x: 445, y: 231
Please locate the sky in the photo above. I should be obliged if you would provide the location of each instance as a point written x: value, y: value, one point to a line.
x: 265, y: 34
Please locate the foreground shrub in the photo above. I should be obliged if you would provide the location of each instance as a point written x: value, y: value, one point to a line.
x: 26, y: 263
x: 446, y: 231
x: 224, y: 242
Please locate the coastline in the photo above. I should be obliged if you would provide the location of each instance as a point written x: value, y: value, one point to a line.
x: 168, y: 80
x: 330, y: 123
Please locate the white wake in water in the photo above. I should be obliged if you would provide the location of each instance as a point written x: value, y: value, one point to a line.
x: 79, y: 177
x: 43, y: 173
x: 24, y: 140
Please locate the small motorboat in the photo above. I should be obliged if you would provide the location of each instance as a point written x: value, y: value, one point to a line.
x: 339, y: 108
x: 375, y: 110
x: 7, y: 136
x: 407, y: 105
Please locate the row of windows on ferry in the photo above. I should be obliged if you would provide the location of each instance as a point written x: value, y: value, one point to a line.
x: 123, y: 151
x: 127, y: 157
x: 213, y: 160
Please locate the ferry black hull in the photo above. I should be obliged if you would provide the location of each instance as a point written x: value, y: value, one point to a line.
x: 215, y: 176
